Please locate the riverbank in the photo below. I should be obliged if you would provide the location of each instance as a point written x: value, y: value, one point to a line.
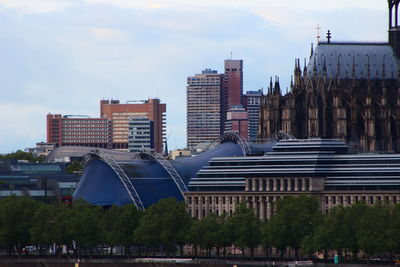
x: 149, y: 262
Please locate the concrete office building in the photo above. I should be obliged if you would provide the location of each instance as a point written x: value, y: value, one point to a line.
x: 324, y: 168
x: 119, y: 115
x: 204, y: 107
x: 233, y: 85
x: 237, y: 121
x: 141, y: 134
x: 251, y: 101
x: 70, y: 130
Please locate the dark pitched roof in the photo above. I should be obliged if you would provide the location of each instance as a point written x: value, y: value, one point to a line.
x: 339, y: 57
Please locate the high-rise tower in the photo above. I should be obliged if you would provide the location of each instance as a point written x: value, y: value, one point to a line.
x: 233, y: 83
x: 204, y: 107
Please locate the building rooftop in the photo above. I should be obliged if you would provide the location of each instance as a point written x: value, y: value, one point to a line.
x: 361, y: 59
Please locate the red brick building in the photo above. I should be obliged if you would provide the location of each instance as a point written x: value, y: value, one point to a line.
x: 111, y: 130
x: 237, y: 121
x: 119, y: 115
x: 69, y: 130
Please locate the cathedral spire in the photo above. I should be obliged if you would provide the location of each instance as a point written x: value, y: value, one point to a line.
x: 298, y: 65
x: 291, y: 82
x: 270, y: 86
x: 315, y: 67
x: 312, y: 50
x: 277, y: 88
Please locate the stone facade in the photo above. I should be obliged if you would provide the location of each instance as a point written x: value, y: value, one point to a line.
x: 363, y: 112
x: 263, y: 199
x: 348, y: 90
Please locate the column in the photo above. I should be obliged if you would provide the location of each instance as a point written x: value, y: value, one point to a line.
x: 260, y: 185
x: 246, y: 185
x: 303, y: 185
x: 289, y: 185
x: 282, y: 185
x: 262, y: 208
x: 254, y: 185
x: 329, y: 202
x: 311, y: 184
x: 268, y: 209
x: 207, y: 205
x: 274, y: 183
x: 268, y: 187
x: 296, y: 184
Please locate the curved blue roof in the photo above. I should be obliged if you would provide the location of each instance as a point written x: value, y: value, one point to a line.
x: 100, y: 185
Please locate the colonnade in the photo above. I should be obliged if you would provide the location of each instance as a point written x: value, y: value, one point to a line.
x: 278, y: 184
x: 201, y: 205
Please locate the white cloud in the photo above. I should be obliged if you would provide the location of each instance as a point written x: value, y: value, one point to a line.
x: 243, y: 4
x: 65, y: 62
x: 36, y: 6
x: 21, y: 125
x: 107, y: 33
x: 140, y: 4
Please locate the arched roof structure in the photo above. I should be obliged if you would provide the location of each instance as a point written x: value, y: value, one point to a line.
x: 150, y: 176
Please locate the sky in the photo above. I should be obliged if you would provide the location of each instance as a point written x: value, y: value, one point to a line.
x: 64, y: 56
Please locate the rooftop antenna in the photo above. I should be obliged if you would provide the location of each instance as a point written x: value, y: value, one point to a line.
x: 318, y: 33
x: 231, y: 55
x: 329, y: 36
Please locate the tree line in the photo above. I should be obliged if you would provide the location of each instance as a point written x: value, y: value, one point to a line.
x: 21, y: 155
x: 298, y: 226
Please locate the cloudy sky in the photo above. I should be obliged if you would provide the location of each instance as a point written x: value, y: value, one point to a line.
x: 63, y: 56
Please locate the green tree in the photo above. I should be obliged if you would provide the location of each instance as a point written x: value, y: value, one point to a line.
x: 247, y: 232
x: 195, y: 234
x: 165, y: 223
x: 50, y: 226
x: 372, y: 230
x: 225, y: 236
x: 205, y: 232
x: 393, y: 231
x: 84, y: 226
x: 320, y: 238
x: 21, y: 155
x: 119, y: 224
x: 75, y: 166
x: 266, y: 240
x: 16, y: 215
x: 293, y: 221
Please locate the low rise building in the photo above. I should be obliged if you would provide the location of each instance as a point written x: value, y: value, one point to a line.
x: 42, y: 181
x: 324, y: 168
x: 73, y: 130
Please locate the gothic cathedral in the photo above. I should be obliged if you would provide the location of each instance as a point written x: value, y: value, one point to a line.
x: 348, y: 91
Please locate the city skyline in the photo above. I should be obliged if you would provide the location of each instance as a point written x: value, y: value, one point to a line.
x: 64, y: 56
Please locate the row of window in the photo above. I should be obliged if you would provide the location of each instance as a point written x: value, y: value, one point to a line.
x: 341, y: 200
